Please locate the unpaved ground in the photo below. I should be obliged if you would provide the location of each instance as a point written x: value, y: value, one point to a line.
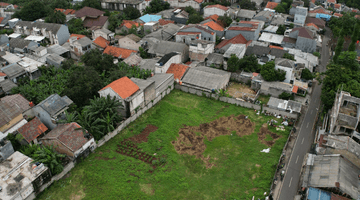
x: 262, y: 135
x: 142, y: 137
x: 236, y: 90
x: 191, y: 138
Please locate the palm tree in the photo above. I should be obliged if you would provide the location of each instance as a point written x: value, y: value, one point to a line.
x: 49, y: 158
x: 69, y: 117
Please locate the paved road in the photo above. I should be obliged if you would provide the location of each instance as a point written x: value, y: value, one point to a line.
x: 306, y: 135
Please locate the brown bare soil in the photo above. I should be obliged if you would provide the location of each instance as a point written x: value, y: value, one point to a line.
x: 262, y: 135
x: 191, y: 138
x: 237, y: 90
x: 142, y: 137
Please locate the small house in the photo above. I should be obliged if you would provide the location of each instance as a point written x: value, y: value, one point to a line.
x: 178, y: 70
x: 215, y: 60
x: 200, y: 49
x: 249, y: 29
x: 19, y: 45
x: 11, y: 118
x: 162, y: 48
x: 105, y: 33
x: 80, y: 46
x: 31, y: 131
x: 118, y: 53
x: 164, y: 63
x: 150, y: 27
x: 216, y: 9
x: 245, y: 15
x: 14, y: 72
x: 162, y: 82
x: 128, y: 43
x: 101, y: 43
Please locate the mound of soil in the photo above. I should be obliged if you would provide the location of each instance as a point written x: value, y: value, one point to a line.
x: 262, y: 135
x: 191, y: 138
x: 142, y: 137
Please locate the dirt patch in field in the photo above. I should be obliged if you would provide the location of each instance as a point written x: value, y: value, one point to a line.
x: 257, y: 165
x: 78, y: 195
x: 262, y: 136
x: 238, y: 90
x: 147, y: 189
x: 142, y: 137
x: 191, y: 138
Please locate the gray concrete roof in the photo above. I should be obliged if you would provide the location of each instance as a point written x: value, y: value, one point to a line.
x: 165, y: 47
x: 57, y: 49
x: 246, y: 13
x: 13, y: 70
x: 54, y: 103
x: 160, y: 79
x: 48, y: 26
x: 19, y: 43
x: 143, y: 84
x: 215, y: 58
x: 285, y: 62
x: 7, y: 85
x: 148, y: 64
x: 167, y: 32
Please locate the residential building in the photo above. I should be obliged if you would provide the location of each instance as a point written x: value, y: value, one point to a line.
x: 70, y: 140
x: 6, y: 86
x: 215, y: 60
x: 184, y: 3
x: 133, y: 60
x: 150, y: 18
x: 235, y: 49
x: 162, y: 83
x: 271, y: 38
x: 206, y: 34
x: 178, y: 70
x: 11, y: 118
x: 126, y: 92
x: 119, y: 53
x: 167, y: 32
x: 294, y: 5
x: 246, y: 15
x: 101, y: 43
x: 14, y: 72
x: 21, y: 177
x: 288, y: 66
x: 101, y: 22
x: 6, y: 148
x: 58, y: 50
x: 7, y: 10
x: 19, y: 45
x: 180, y: 16
x: 126, y: 25
x: 312, y: 27
x: 249, y: 29
x: 105, y: 33
x: 85, y: 12
x: 80, y: 46
x: 216, y: 9
x: 279, y: 19
x: 200, y: 49
x: 265, y: 16
x: 300, y: 15
x: 50, y: 110
x: 305, y: 39
x: 164, y: 63
x: 31, y: 67
x: 150, y: 27
x: 4, y: 39
x: 206, y: 78
x: 284, y: 105
x: 31, y: 131
x: 276, y: 88
x: 270, y: 6
x: 119, y: 5
x: 148, y: 64
x: 56, y: 33
x: 163, y: 22
x: 318, y: 22
x: 54, y: 60
x: 164, y: 47
x: 345, y: 113
x: 332, y: 173
x: 214, y: 26
x: 223, y: 46
x: 148, y: 87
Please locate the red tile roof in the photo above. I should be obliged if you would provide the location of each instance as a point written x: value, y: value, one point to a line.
x: 338, y: 14
x: 331, y: 1
x: 32, y: 129
x: 188, y: 33
x: 59, y: 9
x: 128, y: 24
x: 199, y: 1
x: 304, y: 32
x: 69, y: 12
x: 218, y: 6
x: 320, y: 10
x: 124, y: 87
x: 276, y: 47
x: 357, y: 16
x: 178, y: 70
x: 102, y: 42
x: 3, y: 4
x: 68, y: 134
x: 1, y: 18
x: 76, y: 35
x: 2, y: 74
x: 163, y: 22
x: 337, y: 6
x: 87, y: 11
x: 239, y: 39
x: 16, y: 6
x: 313, y: 25
x: 213, y: 17
x: 295, y: 89
x: 271, y: 5
x: 118, y: 52
x: 313, y: 1
x: 214, y: 26
x: 91, y: 22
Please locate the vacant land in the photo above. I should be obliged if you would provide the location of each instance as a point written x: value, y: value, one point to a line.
x: 210, y: 150
x: 238, y: 90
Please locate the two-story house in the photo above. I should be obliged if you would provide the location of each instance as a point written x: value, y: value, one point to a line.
x: 200, y: 49
x: 105, y: 33
x: 55, y: 33
x: 184, y: 3
x: 203, y: 32
x: 301, y: 38
x: 300, y: 16
x: 80, y: 46
x: 216, y: 9
x: 249, y: 29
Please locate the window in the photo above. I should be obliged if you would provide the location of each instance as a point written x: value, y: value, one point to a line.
x: 345, y: 103
x: 342, y: 129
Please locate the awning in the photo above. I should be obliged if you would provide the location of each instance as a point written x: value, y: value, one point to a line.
x: 15, y: 35
x: 35, y: 38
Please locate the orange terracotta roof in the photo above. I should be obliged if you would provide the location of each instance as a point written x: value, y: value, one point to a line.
x: 320, y: 10
x: 69, y: 12
x: 16, y: 6
x: 255, y: 74
x: 337, y: 6
x: 77, y: 35
x: 331, y: 1
x: 271, y: 5
x: 1, y: 18
x: 163, y: 22
x: 295, y: 89
x: 338, y: 14
x: 313, y: 25
x: 3, y: 4
x: 124, y: 87
x: 59, y: 9
x: 218, y: 6
x: 198, y: 1
x: 32, y: 129
x: 276, y: 47
x: 118, y: 52
x: 357, y: 16
x: 178, y: 70
x: 102, y: 42
x: 2, y: 74
x: 213, y: 17
x: 214, y: 26
x: 313, y: 1
x: 188, y: 63
x: 239, y: 39
x: 128, y: 24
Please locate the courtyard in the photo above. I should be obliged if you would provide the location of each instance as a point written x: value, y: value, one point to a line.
x: 185, y: 147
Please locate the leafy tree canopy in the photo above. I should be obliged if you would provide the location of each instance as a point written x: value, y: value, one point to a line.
x: 225, y: 20
x: 247, y: 63
x: 131, y: 12
x: 306, y: 74
x: 90, y: 3
x: 190, y: 10
x: 32, y: 11
x: 247, y: 4
x: 75, y: 26
x: 288, y: 56
x: 195, y: 19
x: 156, y: 6
x: 281, y: 30
x: 269, y: 73
x: 56, y: 17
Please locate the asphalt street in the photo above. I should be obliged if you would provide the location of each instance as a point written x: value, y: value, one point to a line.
x: 305, y: 137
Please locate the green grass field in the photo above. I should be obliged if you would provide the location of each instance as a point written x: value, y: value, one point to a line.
x: 241, y: 170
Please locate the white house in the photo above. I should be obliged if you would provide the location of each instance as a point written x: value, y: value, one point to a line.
x: 288, y: 66
x: 200, y: 49
x: 220, y: 10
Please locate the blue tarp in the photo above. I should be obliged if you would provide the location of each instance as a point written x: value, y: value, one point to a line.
x: 150, y: 18
x: 316, y: 194
x: 323, y: 16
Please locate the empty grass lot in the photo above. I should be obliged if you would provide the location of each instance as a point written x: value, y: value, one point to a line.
x: 240, y: 170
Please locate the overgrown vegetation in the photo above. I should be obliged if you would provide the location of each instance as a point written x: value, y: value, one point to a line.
x: 247, y: 4
x: 284, y: 6
x: 288, y: 56
x: 156, y: 6
x: 269, y: 73
x: 306, y: 74
x: 286, y: 96
x: 241, y: 171
x: 247, y: 63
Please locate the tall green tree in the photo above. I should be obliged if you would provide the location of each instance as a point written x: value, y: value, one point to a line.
x: 131, y: 12
x: 156, y: 6
x: 50, y: 158
x: 354, y: 37
x: 269, y: 73
x: 233, y: 63
x: 306, y: 74
x: 91, y: 3
x: 195, y: 19
x: 56, y: 17
x: 247, y: 4
x: 60, y: 4
x: 339, y: 47
x: 33, y: 10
